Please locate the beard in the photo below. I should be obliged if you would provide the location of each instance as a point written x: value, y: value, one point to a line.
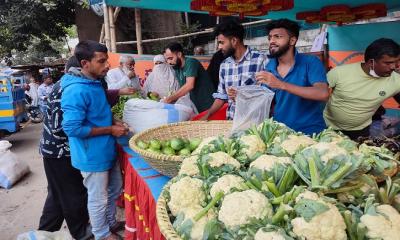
x: 230, y: 52
x: 281, y: 51
x: 126, y: 70
x: 178, y: 64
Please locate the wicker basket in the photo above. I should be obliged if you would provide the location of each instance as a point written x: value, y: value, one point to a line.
x: 163, y: 221
x: 169, y: 165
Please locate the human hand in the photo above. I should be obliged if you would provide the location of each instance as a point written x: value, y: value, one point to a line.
x: 132, y: 73
x: 232, y: 92
x: 126, y: 91
x: 118, y: 131
x: 167, y: 100
x: 205, y: 117
x: 270, y: 80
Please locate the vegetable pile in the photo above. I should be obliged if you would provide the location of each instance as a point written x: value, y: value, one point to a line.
x: 175, y: 146
x: 274, y: 183
x: 118, y: 108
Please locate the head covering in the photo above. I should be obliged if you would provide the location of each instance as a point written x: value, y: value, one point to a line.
x: 162, y: 79
x: 159, y: 58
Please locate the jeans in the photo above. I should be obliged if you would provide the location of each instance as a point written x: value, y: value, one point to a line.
x: 103, y: 188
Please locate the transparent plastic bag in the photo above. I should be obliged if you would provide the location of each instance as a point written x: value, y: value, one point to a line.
x: 253, y: 103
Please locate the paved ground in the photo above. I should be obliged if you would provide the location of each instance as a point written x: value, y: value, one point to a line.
x: 21, y: 206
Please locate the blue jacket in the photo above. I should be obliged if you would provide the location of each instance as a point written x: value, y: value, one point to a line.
x: 85, y: 106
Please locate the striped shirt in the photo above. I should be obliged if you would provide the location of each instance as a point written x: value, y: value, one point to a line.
x: 235, y: 74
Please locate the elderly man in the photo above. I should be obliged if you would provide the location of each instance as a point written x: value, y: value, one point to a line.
x: 124, y: 75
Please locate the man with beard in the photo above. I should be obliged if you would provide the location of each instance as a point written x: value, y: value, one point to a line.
x: 359, y: 89
x: 192, y: 78
x: 298, y: 80
x: 237, y: 69
x: 124, y: 75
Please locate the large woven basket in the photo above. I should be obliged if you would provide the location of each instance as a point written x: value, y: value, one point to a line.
x: 169, y: 165
x: 163, y: 220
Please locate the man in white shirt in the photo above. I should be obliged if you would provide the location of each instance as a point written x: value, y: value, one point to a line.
x: 124, y: 75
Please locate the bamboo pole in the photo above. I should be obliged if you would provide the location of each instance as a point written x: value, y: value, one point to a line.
x: 106, y: 25
x: 138, y: 22
x: 116, y: 12
x: 112, y: 30
x: 206, y: 31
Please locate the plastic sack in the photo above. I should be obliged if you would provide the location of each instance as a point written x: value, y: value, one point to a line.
x: 186, y: 101
x: 43, y: 235
x: 253, y: 103
x: 141, y: 114
x: 11, y: 168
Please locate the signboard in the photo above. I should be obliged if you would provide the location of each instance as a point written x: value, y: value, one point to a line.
x: 97, y: 7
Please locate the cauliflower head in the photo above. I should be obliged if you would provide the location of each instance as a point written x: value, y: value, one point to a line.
x: 189, y: 166
x: 225, y: 184
x: 385, y: 225
x: 267, y: 162
x: 203, y: 143
x: 185, y: 193
x: 273, y: 235
x: 327, y: 225
x: 294, y: 143
x: 219, y: 159
x: 253, y: 144
x: 198, y: 227
x: 251, y: 204
x: 329, y: 150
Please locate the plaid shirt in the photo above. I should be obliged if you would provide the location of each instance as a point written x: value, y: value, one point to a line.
x: 235, y: 74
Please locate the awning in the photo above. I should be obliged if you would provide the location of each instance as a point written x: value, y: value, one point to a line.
x: 299, y: 5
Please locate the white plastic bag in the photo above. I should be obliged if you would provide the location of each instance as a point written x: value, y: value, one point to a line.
x: 186, y: 101
x: 43, y: 235
x: 141, y: 114
x: 11, y: 168
x: 253, y: 103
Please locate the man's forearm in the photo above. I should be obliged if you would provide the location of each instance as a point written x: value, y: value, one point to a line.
x: 218, y: 103
x: 185, y: 89
x: 97, y: 131
x: 311, y: 93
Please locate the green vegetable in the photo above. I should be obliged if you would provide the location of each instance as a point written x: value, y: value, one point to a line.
x: 184, y: 152
x: 194, y: 143
x: 308, y: 208
x: 177, y: 144
x: 142, y: 144
x: 168, y: 151
x: 155, y: 144
x: 165, y: 143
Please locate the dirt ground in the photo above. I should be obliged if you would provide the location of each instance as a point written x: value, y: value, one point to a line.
x: 21, y: 206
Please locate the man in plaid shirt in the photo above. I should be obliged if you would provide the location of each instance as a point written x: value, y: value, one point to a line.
x: 237, y: 69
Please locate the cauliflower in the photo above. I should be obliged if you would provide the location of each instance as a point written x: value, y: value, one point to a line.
x: 273, y: 235
x: 185, y: 193
x: 225, y: 184
x: 239, y: 208
x: 197, y: 229
x: 267, y: 162
x: 384, y: 225
x: 294, y: 142
x: 253, y: 144
x: 189, y: 166
x: 203, y: 143
x: 317, y: 219
x: 219, y: 159
x: 329, y: 150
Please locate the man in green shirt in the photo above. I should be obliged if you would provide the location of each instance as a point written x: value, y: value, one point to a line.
x: 359, y: 89
x: 192, y: 78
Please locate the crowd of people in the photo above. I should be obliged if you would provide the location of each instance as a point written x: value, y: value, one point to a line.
x: 78, y: 143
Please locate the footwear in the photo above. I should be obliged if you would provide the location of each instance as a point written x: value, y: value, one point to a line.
x: 118, y: 226
x: 113, y: 236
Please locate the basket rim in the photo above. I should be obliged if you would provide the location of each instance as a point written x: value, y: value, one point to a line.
x: 163, y: 157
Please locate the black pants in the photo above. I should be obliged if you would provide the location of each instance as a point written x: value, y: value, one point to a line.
x: 66, y: 198
x: 354, y: 135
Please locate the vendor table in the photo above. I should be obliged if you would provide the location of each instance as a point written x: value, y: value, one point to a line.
x: 142, y: 187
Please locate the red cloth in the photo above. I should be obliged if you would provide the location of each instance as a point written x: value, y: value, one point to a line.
x: 219, y: 115
x: 140, y: 206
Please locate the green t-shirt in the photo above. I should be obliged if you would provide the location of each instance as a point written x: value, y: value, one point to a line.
x: 201, y: 95
x: 356, y: 96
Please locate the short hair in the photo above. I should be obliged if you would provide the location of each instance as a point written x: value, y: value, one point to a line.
x: 292, y: 27
x: 230, y: 28
x: 126, y: 58
x: 174, y: 47
x: 85, y: 49
x: 72, y: 62
x: 380, y: 47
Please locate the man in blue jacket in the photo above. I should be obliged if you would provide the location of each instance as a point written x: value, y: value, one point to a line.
x: 88, y: 123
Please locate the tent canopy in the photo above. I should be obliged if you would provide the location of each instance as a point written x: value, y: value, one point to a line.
x: 299, y: 5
